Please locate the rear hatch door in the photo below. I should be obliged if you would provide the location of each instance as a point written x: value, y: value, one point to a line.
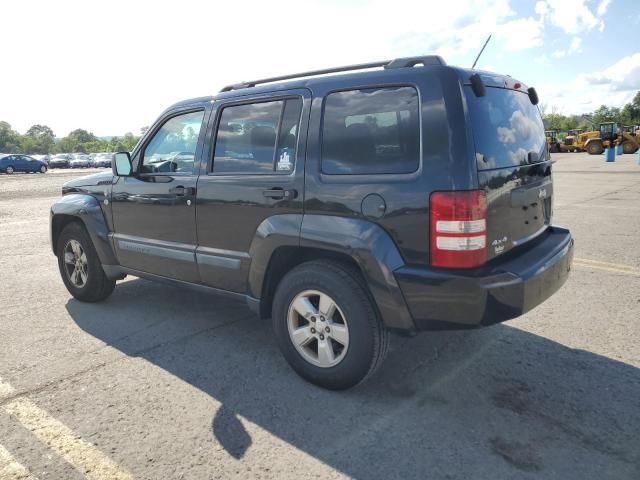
x: 513, y: 163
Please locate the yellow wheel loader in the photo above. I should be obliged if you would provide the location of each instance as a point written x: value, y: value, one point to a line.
x: 608, y: 136
x: 552, y: 141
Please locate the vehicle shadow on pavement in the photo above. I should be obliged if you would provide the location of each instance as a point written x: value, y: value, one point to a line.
x: 491, y: 403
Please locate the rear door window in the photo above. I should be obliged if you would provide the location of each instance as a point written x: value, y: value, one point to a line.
x: 507, y: 128
x: 371, y: 131
x: 258, y: 138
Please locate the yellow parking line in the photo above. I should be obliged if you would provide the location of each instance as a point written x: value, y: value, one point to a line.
x: 85, y: 457
x: 82, y: 455
x: 605, y: 264
x: 606, y: 269
x: 10, y: 469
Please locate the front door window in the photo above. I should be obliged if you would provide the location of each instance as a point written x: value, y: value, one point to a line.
x: 173, y: 148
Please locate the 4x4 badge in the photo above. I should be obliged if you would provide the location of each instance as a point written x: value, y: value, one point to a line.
x: 498, y: 244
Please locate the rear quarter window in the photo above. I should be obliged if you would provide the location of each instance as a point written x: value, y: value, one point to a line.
x: 371, y: 131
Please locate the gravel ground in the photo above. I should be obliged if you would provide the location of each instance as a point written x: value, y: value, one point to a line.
x: 163, y: 383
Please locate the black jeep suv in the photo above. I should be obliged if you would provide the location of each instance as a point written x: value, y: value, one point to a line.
x: 404, y: 195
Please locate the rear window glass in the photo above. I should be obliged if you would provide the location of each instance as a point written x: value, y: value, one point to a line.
x: 371, y: 131
x: 506, y: 128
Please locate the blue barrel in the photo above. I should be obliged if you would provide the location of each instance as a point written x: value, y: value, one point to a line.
x: 610, y: 154
x: 619, y: 150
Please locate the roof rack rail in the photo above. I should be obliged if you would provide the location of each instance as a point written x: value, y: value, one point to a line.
x: 387, y: 64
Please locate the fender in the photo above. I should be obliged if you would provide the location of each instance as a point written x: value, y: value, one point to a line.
x: 87, y: 209
x: 274, y: 232
x: 363, y: 241
x: 374, y: 251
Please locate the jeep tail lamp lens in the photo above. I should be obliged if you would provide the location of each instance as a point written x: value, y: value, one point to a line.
x: 458, y: 229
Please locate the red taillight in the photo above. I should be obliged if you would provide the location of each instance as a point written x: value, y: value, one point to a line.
x: 458, y: 229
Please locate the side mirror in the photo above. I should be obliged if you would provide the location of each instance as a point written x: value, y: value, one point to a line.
x: 122, y: 164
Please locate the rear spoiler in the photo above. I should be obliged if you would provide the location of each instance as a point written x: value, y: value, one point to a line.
x: 479, y: 81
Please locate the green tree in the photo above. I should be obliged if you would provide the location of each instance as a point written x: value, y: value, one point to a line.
x: 569, y: 123
x: 631, y: 111
x: 9, y: 138
x: 26, y: 144
x: 606, y: 114
x: 38, y: 139
x: 553, y: 120
x: 80, y: 136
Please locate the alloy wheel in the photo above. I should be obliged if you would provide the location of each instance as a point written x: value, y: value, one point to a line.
x: 75, y: 261
x: 318, y: 328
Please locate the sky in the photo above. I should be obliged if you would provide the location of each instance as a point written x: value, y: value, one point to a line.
x: 112, y: 66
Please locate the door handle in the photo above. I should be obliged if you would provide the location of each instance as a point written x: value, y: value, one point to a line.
x: 181, y: 191
x: 278, y: 193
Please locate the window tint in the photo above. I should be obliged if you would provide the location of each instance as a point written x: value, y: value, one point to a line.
x: 258, y: 138
x: 371, y: 131
x: 173, y: 148
x: 506, y: 128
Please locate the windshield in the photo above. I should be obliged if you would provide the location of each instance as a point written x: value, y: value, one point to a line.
x: 507, y: 127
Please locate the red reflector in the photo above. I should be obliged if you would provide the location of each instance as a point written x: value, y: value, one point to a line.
x: 517, y: 86
x: 458, y: 229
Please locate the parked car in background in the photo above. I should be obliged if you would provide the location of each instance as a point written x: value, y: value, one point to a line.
x: 80, y: 161
x: 103, y: 160
x: 42, y: 158
x: 21, y: 163
x: 61, y: 160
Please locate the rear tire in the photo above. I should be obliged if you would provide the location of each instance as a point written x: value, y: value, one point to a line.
x: 80, y: 266
x: 595, y: 148
x: 9, y: 170
x: 355, y: 336
x: 628, y: 147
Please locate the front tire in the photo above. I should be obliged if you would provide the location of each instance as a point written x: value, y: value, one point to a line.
x: 80, y: 266
x: 43, y: 169
x: 9, y: 170
x: 595, y: 148
x: 327, y: 326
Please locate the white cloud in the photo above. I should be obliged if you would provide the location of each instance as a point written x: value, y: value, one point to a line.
x: 602, y: 7
x: 574, y: 47
x: 615, y: 86
x: 461, y: 26
x: 572, y: 16
x: 542, y: 8
x: 521, y: 34
x: 541, y: 59
x: 624, y: 75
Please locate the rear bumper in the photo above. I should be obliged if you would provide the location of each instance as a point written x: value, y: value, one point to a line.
x: 503, y: 289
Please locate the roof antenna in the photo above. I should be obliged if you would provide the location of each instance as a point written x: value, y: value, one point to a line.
x: 481, y: 50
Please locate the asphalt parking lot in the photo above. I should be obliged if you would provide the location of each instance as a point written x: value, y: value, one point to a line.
x: 163, y: 383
